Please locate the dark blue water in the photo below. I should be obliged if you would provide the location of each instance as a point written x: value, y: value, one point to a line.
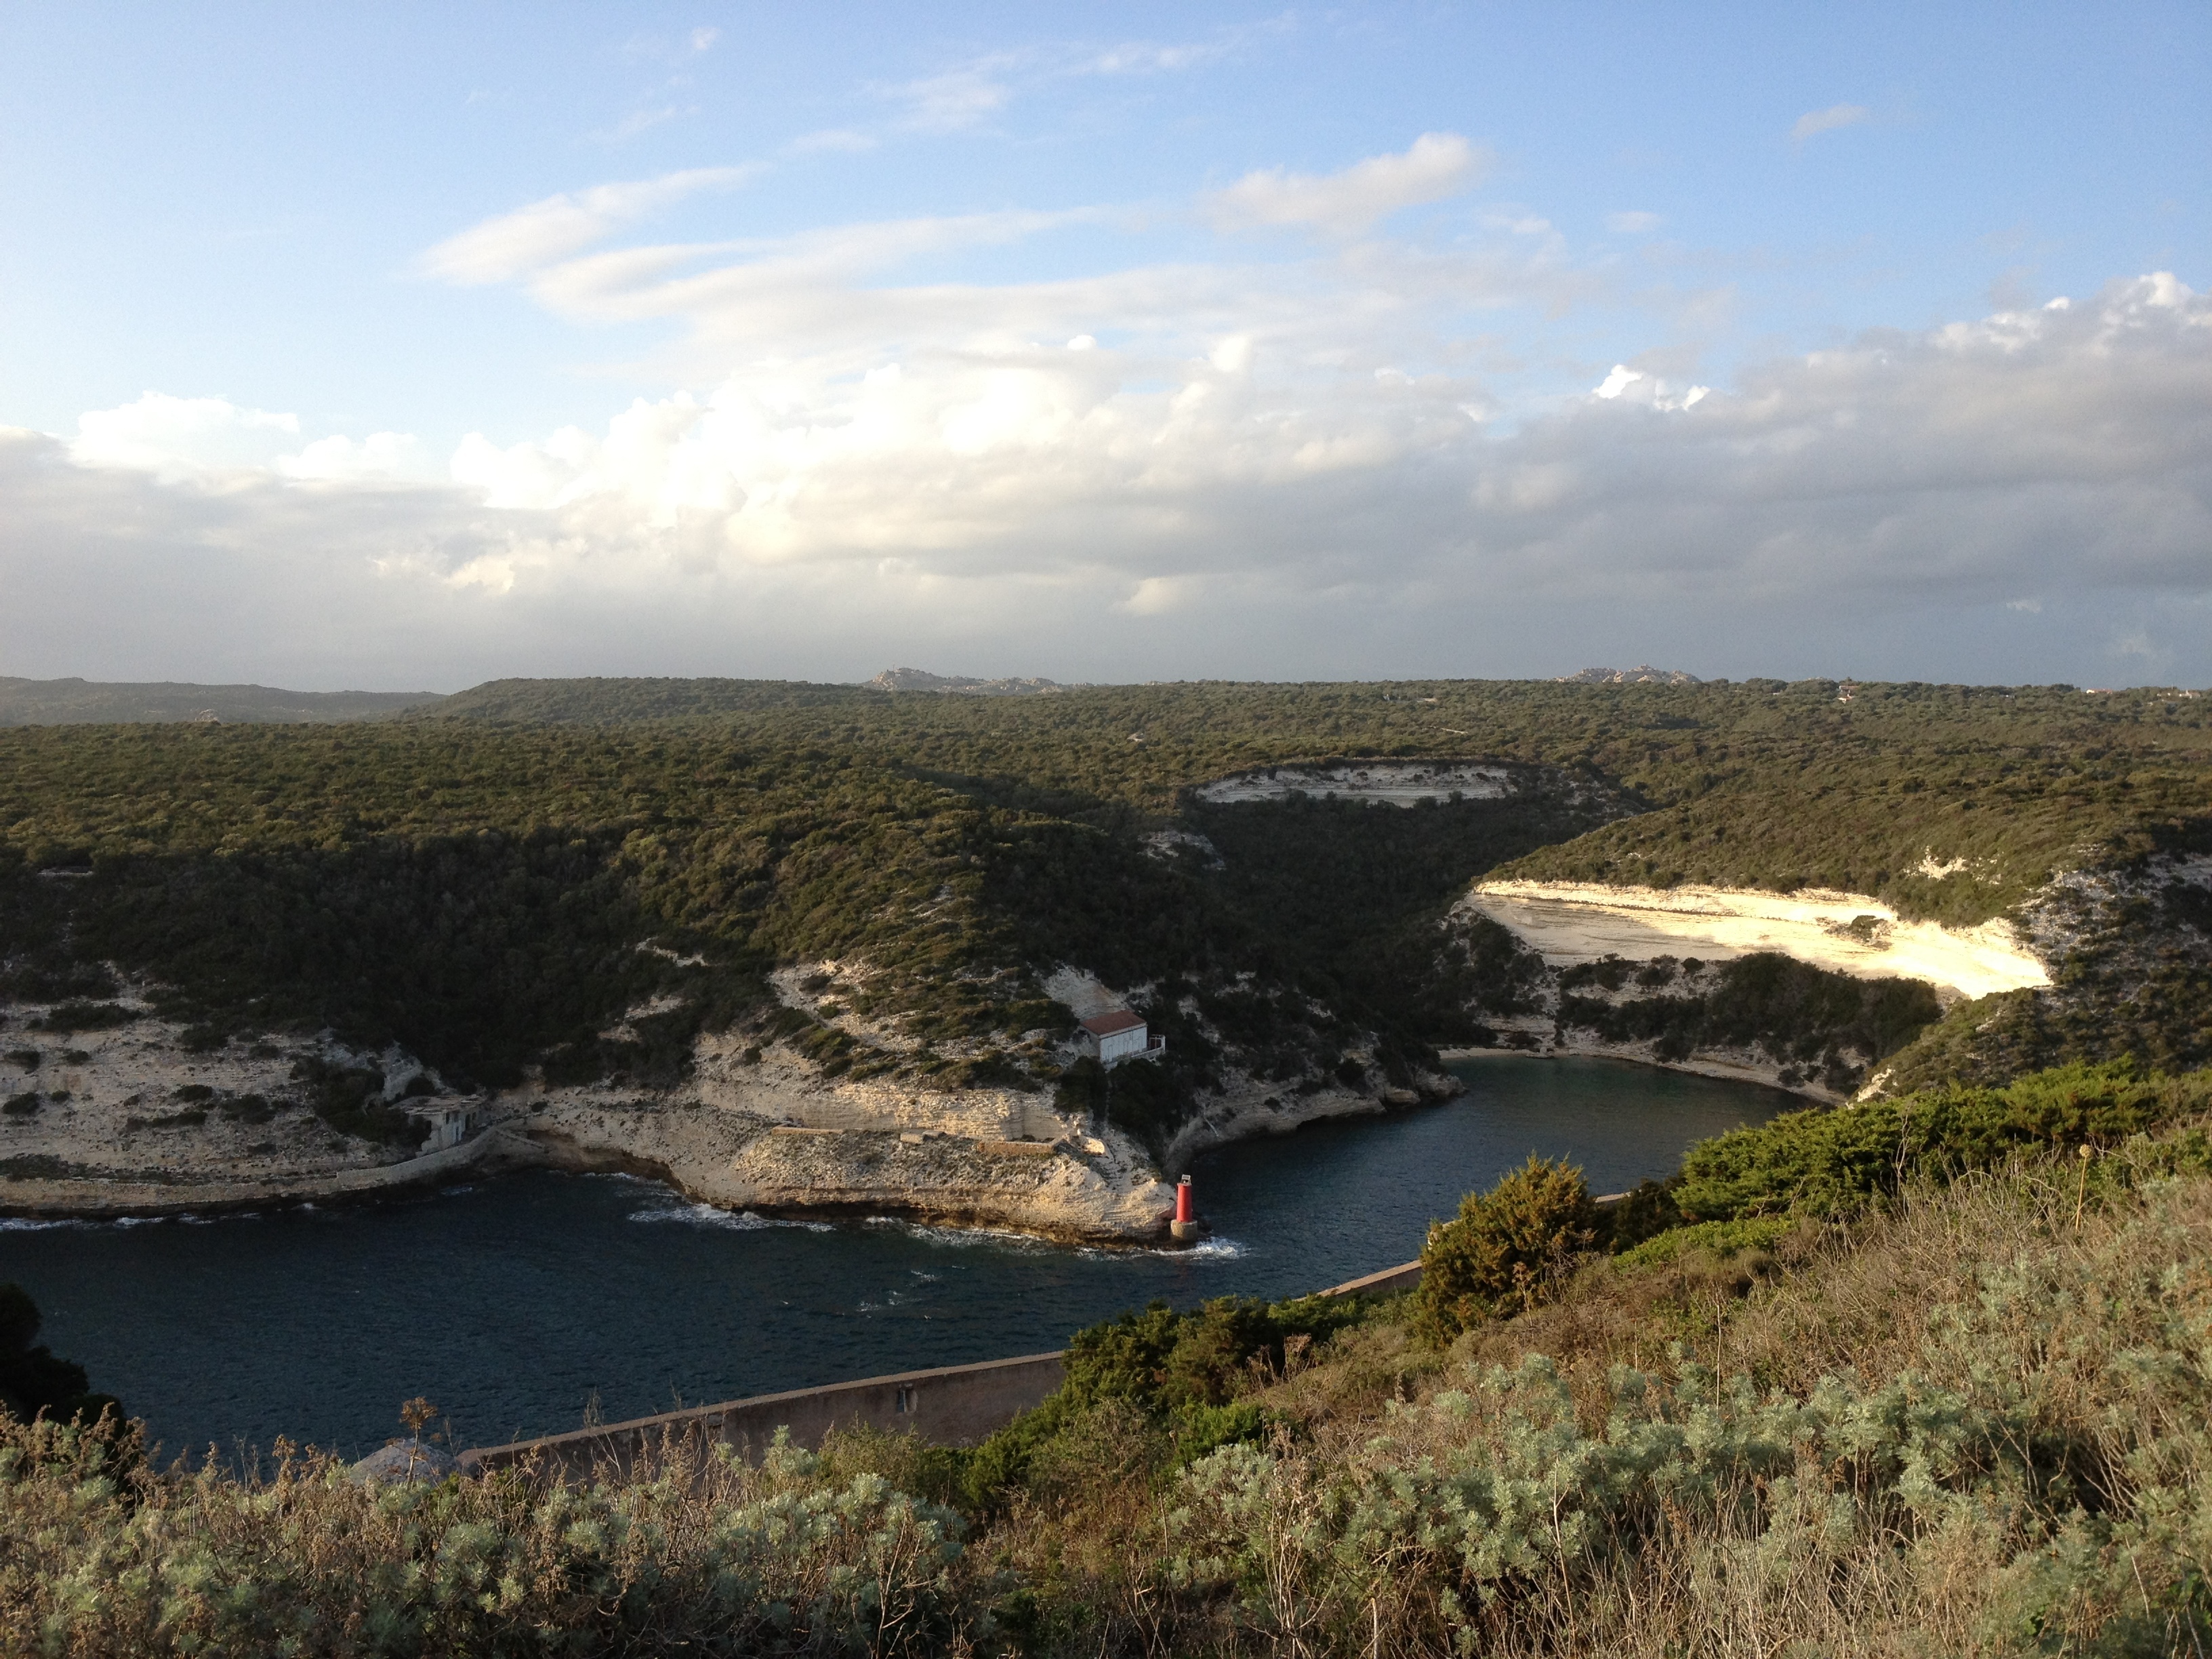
x: 511, y: 1304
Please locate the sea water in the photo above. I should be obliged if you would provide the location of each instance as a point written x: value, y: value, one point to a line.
x: 517, y: 1304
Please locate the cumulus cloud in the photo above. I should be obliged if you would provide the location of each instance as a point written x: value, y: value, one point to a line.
x: 502, y: 248
x: 216, y: 443
x: 180, y: 437
x: 1814, y: 123
x: 1349, y: 202
x: 341, y: 460
x: 1292, y: 462
x: 1217, y: 507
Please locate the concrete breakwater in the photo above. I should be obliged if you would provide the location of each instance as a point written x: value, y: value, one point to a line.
x: 950, y: 1405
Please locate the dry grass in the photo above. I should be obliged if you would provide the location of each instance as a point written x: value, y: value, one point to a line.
x: 1972, y: 1425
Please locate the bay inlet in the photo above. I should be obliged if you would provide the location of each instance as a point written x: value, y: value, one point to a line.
x: 517, y: 1304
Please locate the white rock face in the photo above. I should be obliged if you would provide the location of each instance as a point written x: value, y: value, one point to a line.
x: 1394, y: 783
x: 1570, y: 922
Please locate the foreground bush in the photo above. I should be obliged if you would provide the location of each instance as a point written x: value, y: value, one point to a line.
x: 1497, y: 1257
x: 2023, y: 1466
x: 694, y: 1552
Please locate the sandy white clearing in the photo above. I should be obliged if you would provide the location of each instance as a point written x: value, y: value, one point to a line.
x: 1570, y: 922
x: 1394, y: 783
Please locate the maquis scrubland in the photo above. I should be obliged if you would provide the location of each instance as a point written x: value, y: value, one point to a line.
x: 1923, y: 1367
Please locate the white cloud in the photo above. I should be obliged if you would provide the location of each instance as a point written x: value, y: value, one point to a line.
x: 1148, y: 57
x: 1617, y: 382
x: 1290, y: 463
x: 182, y: 437
x: 213, y: 442
x: 958, y: 99
x: 704, y: 37
x: 1348, y: 203
x: 1813, y: 123
x: 339, y: 458
x: 644, y: 121
x: 1634, y: 223
x: 1635, y: 387
x: 505, y: 247
x: 1890, y: 496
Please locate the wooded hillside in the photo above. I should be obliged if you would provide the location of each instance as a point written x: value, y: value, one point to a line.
x: 493, y: 880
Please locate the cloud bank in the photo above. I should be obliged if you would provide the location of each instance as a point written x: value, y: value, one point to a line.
x: 1283, y: 468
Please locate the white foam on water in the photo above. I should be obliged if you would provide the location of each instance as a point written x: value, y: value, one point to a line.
x: 31, y: 1223
x: 962, y: 1237
x: 731, y: 1221
x: 1206, y: 1249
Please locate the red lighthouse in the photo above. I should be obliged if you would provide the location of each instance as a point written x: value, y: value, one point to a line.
x: 1186, y: 1226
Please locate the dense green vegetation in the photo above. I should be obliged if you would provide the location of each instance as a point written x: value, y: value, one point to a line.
x: 1929, y: 1383
x: 1831, y: 1163
x: 1758, y: 783
x: 1810, y: 1020
x: 494, y: 880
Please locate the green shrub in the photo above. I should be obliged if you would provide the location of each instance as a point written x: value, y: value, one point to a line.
x: 1184, y: 1371
x: 1505, y: 1247
x: 690, y: 1551
x: 350, y: 1099
x: 1829, y: 1162
x: 1719, y: 1238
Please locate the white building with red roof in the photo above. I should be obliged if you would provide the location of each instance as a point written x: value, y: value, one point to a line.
x: 1119, y: 1034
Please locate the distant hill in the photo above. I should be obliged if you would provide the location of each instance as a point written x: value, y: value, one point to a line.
x: 593, y: 702
x: 100, y: 702
x: 915, y: 679
x: 1641, y: 674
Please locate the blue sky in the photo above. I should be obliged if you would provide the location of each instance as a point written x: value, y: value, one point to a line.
x: 412, y: 346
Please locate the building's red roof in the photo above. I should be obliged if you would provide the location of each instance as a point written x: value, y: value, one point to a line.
x: 1114, y: 1024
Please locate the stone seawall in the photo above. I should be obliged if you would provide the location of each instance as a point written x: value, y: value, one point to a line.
x: 950, y: 1406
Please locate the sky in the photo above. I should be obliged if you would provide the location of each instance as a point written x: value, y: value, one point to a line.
x: 406, y: 347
